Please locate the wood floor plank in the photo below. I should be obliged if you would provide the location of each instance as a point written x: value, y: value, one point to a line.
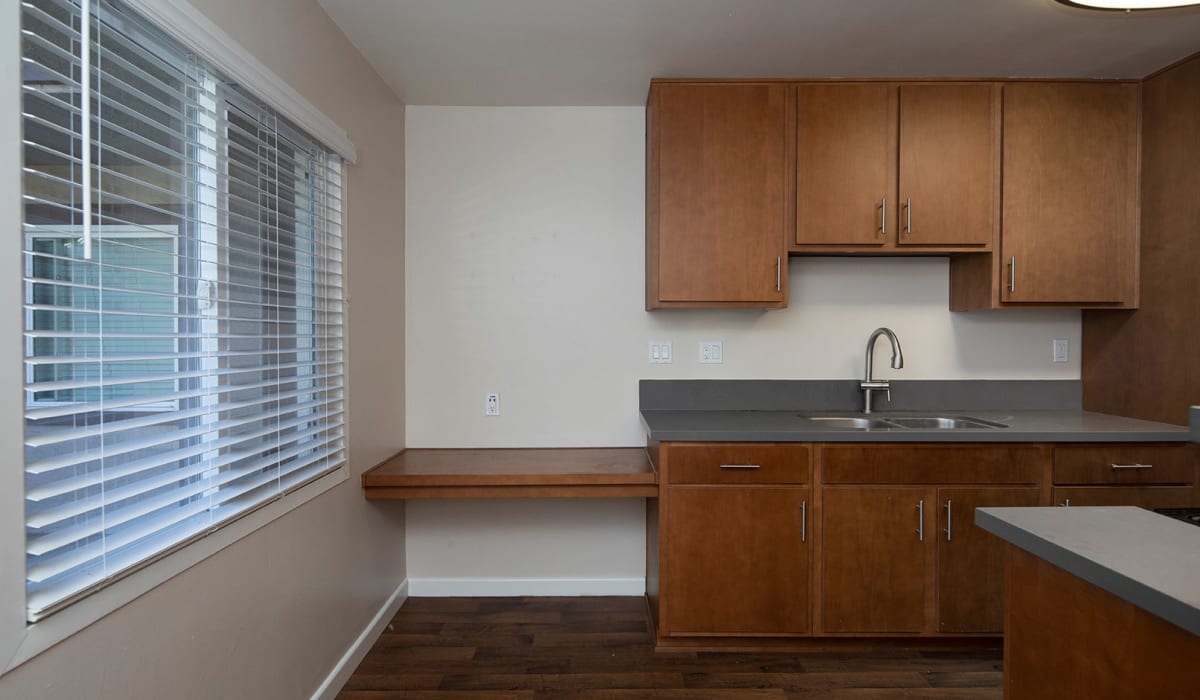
x: 806, y: 681
x: 562, y: 681
x: 601, y: 649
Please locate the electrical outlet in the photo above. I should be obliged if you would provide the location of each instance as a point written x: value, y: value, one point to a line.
x: 710, y: 352
x: 660, y: 352
x: 1059, y: 350
x: 491, y: 406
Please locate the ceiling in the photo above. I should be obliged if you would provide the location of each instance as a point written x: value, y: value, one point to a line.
x: 604, y: 52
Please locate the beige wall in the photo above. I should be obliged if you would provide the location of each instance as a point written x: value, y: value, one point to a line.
x: 270, y: 615
x: 525, y: 275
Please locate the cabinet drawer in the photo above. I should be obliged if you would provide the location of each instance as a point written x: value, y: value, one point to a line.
x: 1141, y: 496
x: 738, y: 463
x: 1125, y: 464
x: 934, y: 464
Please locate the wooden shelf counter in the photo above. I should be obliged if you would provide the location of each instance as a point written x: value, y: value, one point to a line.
x: 597, y: 472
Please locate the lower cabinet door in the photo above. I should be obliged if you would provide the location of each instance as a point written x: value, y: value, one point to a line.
x: 874, y: 558
x: 1149, y: 497
x: 970, y: 562
x: 735, y: 561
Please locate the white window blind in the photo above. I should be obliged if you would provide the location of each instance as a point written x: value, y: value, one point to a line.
x: 190, y: 369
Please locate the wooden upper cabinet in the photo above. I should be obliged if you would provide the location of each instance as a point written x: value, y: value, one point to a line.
x: 845, y: 163
x: 949, y: 165
x: 718, y: 174
x: 1070, y: 193
x: 886, y: 167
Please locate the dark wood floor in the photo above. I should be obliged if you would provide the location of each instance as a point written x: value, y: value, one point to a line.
x: 599, y: 649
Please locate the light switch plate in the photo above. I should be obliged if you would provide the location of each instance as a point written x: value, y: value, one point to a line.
x: 660, y: 352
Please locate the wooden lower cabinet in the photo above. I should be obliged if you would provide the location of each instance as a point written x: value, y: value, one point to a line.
x: 759, y: 540
x: 873, y: 558
x: 1148, y: 497
x: 970, y: 562
x: 735, y: 561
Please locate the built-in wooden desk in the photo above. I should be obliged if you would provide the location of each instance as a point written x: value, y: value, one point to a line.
x: 598, y: 472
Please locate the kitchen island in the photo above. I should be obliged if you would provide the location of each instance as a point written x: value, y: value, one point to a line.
x: 1099, y: 602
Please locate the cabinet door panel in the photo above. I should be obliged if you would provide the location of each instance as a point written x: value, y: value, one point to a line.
x: 971, y: 561
x: 949, y: 173
x: 1149, y: 497
x: 873, y: 560
x: 735, y: 561
x: 720, y: 180
x: 845, y: 163
x: 1070, y: 168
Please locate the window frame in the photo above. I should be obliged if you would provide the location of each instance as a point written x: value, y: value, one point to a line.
x: 21, y: 641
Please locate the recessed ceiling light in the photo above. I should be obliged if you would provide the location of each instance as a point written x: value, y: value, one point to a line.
x: 1129, y: 5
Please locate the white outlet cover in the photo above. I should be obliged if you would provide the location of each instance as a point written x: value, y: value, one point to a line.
x: 711, y: 352
x: 1058, y: 350
x: 491, y: 404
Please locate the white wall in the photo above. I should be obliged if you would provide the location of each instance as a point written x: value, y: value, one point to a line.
x: 270, y: 615
x: 525, y: 276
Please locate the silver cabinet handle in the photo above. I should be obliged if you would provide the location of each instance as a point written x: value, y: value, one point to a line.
x: 921, y: 519
x: 883, y: 217
x: 803, y: 521
x: 908, y: 216
x: 949, y: 519
x: 778, y: 272
x: 740, y: 466
x: 1012, y: 274
x: 1133, y: 466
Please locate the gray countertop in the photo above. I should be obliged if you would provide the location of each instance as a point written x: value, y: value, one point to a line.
x: 790, y: 426
x: 1147, y: 559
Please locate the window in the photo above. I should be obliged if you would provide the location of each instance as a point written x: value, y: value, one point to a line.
x: 189, y: 370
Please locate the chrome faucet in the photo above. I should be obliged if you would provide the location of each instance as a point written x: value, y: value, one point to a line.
x: 868, y: 384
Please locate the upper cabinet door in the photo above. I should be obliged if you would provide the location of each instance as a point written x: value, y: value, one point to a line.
x: 718, y: 174
x: 949, y: 165
x: 845, y: 164
x: 1070, y: 193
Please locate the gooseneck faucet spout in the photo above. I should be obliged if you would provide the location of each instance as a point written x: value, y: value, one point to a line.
x: 868, y: 384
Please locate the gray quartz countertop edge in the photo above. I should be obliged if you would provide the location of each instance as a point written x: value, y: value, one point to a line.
x: 1147, y: 559
x: 1022, y: 426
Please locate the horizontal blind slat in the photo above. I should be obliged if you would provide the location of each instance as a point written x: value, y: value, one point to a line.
x: 193, y: 371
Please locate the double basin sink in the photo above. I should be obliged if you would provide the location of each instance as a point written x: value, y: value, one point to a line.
x: 933, y: 422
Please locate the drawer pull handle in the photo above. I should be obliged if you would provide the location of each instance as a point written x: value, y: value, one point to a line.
x: 739, y: 466
x: 921, y: 520
x: 1133, y: 466
x: 803, y: 521
x: 949, y: 519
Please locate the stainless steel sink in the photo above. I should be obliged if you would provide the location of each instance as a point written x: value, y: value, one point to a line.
x: 942, y: 423
x: 849, y: 422
x: 904, y: 422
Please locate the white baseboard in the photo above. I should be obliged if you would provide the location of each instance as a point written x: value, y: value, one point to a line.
x: 366, y: 639
x: 465, y: 587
